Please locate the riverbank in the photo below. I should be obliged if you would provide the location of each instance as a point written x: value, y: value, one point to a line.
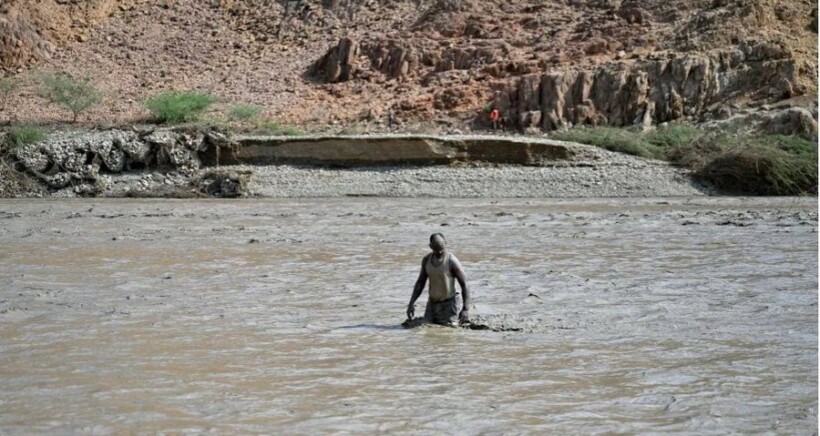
x: 608, y: 178
x: 184, y: 162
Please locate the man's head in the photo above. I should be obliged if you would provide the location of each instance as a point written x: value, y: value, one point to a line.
x: 437, y: 243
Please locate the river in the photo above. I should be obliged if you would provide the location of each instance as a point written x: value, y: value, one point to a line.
x: 682, y: 315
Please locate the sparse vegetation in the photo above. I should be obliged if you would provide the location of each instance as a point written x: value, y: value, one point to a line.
x: 351, y: 130
x: 735, y: 162
x: 27, y: 134
x: 7, y: 87
x: 244, y: 112
x: 611, y: 138
x: 76, y: 95
x: 672, y: 135
x: 176, y: 107
x: 754, y: 164
x: 273, y: 128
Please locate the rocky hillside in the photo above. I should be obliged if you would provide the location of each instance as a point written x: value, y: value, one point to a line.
x: 545, y: 64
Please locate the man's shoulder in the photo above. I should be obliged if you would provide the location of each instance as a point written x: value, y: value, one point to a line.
x: 454, y: 262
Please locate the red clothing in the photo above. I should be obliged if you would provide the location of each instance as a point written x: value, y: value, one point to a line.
x: 494, y: 115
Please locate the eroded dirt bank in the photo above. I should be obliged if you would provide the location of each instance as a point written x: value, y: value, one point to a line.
x: 693, y: 315
x: 156, y: 162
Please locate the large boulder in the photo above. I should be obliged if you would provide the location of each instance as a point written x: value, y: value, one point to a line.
x: 339, y: 63
x: 791, y: 121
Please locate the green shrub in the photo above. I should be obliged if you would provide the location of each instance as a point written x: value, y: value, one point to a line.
x: 672, y: 135
x: 244, y: 112
x: 758, y: 164
x: 654, y: 144
x: 611, y: 138
x: 22, y: 135
x: 76, y: 95
x: 794, y: 144
x: 176, y: 107
x: 732, y: 162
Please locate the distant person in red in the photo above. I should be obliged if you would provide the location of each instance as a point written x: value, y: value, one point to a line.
x: 494, y: 115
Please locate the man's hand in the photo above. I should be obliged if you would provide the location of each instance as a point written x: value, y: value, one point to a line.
x: 411, y: 311
x: 464, y: 316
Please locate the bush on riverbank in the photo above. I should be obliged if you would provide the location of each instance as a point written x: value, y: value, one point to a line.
x: 612, y: 139
x: 755, y: 164
x: 76, y: 95
x: 22, y: 135
x: 176, y: 107
x: 738, y: 163
x: 652, y: 144
x: 244, y: 112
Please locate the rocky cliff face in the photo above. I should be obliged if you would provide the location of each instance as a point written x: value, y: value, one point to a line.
x: 653, y: 91
x: 32, y: 31
x: 636, y: 62
x: 20, y: 42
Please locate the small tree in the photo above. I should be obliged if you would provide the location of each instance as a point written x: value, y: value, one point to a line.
x: 76, y: 95
x: 7, y: 87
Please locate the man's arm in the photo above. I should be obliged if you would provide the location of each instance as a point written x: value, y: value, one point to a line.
x: 417, y: 289
x: 458, y: 273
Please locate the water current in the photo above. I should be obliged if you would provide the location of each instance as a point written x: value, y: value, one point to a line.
x: 694, y: 316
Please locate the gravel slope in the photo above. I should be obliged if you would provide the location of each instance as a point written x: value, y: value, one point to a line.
x: 593, y: 173
x: 489, y: 182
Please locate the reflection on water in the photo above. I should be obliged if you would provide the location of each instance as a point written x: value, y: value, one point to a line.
x: 247, y: 316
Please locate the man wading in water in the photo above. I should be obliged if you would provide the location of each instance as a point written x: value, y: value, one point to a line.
x: 441, y: 267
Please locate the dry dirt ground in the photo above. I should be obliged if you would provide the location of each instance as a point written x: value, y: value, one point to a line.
x: 435, y: 62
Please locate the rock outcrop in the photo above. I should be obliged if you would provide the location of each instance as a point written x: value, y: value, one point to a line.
x: 792, y: 118
x: 76, y: 160
x: 20, y: 42
x: 31, y: 31
x: 648, y: 92
x: 339, y: 63
x: 391, y: 58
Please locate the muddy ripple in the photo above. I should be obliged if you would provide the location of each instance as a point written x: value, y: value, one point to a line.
x: 695, y: 316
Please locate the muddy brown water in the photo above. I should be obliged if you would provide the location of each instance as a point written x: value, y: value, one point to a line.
x: 694, y: 316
